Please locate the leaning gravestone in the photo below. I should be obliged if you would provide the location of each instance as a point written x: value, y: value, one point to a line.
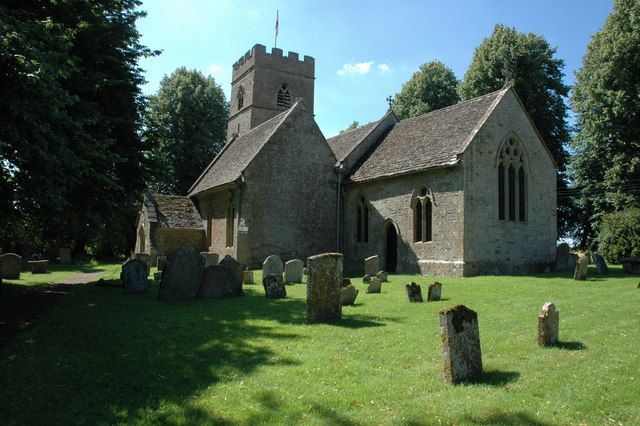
x: 209, y: 258
x: 414, y: 292
x: 38, y: 266
x: 272, y: 265
x: 371, y: 265
x: 161, y: 261
x: 182, y: 275
x: 548, y: 322
x: 323, y: 288
x: 601, y: 265
x: 460, y: 344
x: 382, y: 276
x: 348, y: 295
x: 375, y: 286
x: 219, y: 282
x: 134, y: 277
x: 581, y: 268
x: 434, y: 292
x: 293, y: 271
x: 11, y: 266
x: 247, y: 277
x: 274, y: 287
x: 65, y: 255
x: 366, y: 279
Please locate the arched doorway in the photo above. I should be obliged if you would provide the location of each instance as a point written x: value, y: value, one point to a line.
x: 391, y: 248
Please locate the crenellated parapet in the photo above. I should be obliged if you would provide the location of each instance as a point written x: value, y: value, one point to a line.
x: 258, y: 56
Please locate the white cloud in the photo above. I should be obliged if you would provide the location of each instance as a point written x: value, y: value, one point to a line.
x: 216, y: 69
x: 359, y: 68
x: 384, y: 68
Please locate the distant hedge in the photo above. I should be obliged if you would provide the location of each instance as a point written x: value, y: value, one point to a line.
x: 619, y: 235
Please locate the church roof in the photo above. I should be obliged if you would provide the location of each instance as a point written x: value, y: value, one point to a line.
x: 172, y: 211
x: 434, y: 139
x: 236, y: 155
x: 345, y: 142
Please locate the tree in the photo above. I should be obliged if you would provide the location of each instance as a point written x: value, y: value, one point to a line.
x: 618, y: 234
x: 354, y: 125
x: 432, y: 87
x: 186, y: 127
x: 606, y: 100
x: 529, y: 63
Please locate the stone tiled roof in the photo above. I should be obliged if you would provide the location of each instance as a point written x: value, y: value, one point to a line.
x: 236, y: 155
x: 176, y: 212
x: 345, y: 142
x: 433, y: 139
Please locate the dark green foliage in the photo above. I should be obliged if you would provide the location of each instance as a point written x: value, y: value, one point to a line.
x: 354, y: 125
x: 186, y: 126
x: 528, y: 62
x: 432, y: 87
x: 606, y: 99
x: 619, y: 235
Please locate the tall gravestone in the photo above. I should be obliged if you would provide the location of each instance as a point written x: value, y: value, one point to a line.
x: 272, y: 265
x: 460, y: 344
x: 134, y: 277
x: 548, y: 324
x: 601, y: 265
x: 11, y: 266
x: 565, y: 260
x: 219, y: 282
x: 434, y: 291
x: 232, y: 264
x: 293, y: 271
x: 209, y: 258
x: 64, y: 254
x: 274, y: 287
x: 582, y: 265
x: 182, y: 275
x: 247, y: 277
x: 323, y: 288
x: 371, y: 265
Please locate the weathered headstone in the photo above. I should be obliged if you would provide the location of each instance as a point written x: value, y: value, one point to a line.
x: 366, y: 279
x: 630, y: 265
x: 414, y: 292
x: 209, y: 258
x: 346, y: 282
x: 182, y: 275
x: 548, y: 322
x: 272, y: 265
x: 460, y: 344
x: 233, y: 265
x: 38, y: 266
x: 219, y: 282
x: 371, y: 265
x: 274, y: 287
x: 375, y: 286
x: 348, y: 295
x: 157, y: 276
x: 11, y: 266
x: 581, y: 268
x: 247, y: 277
x: 601, y: 265
x: 134, y: 277
x: 382, y: 276
x: 161, y: 261
x: 323, y: 288
x: 293, y: 271
x: 434, y: 291
x: 65, y: 255
x: 565, y: 260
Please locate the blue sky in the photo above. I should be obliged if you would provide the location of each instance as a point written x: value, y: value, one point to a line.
x: 364, y: 50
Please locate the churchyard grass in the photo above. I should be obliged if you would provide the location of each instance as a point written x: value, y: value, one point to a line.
x: 98, y: 356
x: 58, y: 272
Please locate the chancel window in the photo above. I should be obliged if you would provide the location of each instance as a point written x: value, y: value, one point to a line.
x: 362, y: 221
x: 422, y: 217
x: 240, y: 97
x: 284, y: 96
x: 512, y: 182
x: 230, y: 224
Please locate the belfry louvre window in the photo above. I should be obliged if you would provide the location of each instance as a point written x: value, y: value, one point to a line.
x: 362, y: 221
x: 284, y: 97
x: 512, y: 182
x: 422, y: 217
x: 240, y: 97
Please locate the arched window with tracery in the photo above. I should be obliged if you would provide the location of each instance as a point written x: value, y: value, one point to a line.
x: 362, y: 220
x: 230, y: 224
x: 422, y: 217
x: 284, y: 96
x: 240, y: 97
x: 512, y: 181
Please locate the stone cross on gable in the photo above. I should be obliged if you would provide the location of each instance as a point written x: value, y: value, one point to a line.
x: 390, y: 101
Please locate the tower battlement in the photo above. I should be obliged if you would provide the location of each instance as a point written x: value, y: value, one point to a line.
x: 258, y: 55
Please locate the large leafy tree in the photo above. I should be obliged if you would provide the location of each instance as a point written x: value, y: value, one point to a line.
x: 71, y: 159
x: 606, y: 99
x: 529, y: 63
x: 186, y: 127
x: 432, y: 87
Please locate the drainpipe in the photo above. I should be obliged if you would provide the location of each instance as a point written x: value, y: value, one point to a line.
x: 340, y: 171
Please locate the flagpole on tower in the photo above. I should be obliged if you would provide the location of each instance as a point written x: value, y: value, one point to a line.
x: 275, y: 44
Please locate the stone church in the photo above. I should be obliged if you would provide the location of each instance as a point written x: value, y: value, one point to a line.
x: 464, y: 190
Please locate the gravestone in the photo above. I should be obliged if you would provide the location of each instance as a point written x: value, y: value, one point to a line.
x: 460, y: 344
x: 38, y: 266
x: 161, y: 261
x: 233, y: 265
x: 247, y: 277
x: 209, y: 258
x: 293, y: 271
x: 382, y: 276
x: 272, y: 265
x: 565, y: 260
x: 366, y: 279
x: 146, y: 258
x: 581, y: 268
x: 548, y: 322
x: 219, y: 282
x: 65, y: 255
x: 157, y: 276
x: 414, y: 292
x: 323, y: 288
x: 375, y: 286
x: 346, y: 282
x: 348, y: 295
x: 182, y: 275
x: 630, y: 265
x: 601, y: 265
x: 134, y: 277
x: 371, y: 265
x: 11, y: 266
x: 434, y: 291
x: 274, y: 287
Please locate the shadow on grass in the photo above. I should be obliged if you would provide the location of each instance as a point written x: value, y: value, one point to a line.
x: 571, y: 346
x: 498, y: 378
x: 504, y: 418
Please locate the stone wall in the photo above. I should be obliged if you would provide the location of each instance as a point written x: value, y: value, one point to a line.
x: 170, y: 239
x: 213, y: 207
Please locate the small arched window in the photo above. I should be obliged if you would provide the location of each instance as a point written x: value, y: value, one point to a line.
x: 422, y: 217
x: 362, y: 221
x: 240, y: 97
x: 512, y: 181
x: 284, y: 96
x: 230, y: 224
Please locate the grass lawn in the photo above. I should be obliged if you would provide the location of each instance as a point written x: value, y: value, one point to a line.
x: 98, y: 356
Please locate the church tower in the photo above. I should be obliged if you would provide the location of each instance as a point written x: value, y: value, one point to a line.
x: 265, y: 84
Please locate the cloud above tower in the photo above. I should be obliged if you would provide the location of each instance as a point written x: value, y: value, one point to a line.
x: 361, y: 68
